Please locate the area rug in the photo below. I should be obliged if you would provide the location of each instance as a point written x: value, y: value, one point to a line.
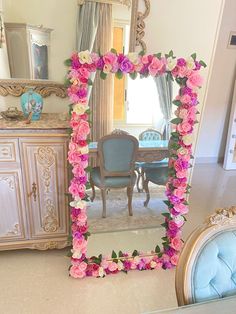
x: 118, y: 218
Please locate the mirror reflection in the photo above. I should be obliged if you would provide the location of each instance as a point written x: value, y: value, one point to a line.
x: 38, y: 41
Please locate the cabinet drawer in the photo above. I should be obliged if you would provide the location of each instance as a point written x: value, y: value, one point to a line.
x: 9, y: 150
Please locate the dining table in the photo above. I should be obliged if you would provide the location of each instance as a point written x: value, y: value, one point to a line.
x: 225, y: 305
x: 148, y: 151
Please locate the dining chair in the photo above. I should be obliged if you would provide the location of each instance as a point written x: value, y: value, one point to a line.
x: 117, y: 153
x: 147, y: 135
x: 207, y: 265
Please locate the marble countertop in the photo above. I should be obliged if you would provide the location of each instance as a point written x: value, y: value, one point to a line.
x: 47, y: 121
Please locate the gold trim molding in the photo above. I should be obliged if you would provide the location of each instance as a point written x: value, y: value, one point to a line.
x: 15, y: 87
x: 137, y: 26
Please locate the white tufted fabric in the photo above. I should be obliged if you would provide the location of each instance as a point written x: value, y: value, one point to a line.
x: 214, y: 272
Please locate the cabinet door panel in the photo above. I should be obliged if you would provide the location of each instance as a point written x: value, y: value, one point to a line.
x: 11, y: 206
x: 46, y: 183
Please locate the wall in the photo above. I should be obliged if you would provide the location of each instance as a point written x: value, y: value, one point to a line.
x: 185, y: 26
x: 213, y: 133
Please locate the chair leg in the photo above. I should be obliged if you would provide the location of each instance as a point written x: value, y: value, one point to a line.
x: 145, y: 186
x: 93, y: 190
x: 143, y: 179
x: 104, y: 209
x: 130, y: 195
x: 138, y: 180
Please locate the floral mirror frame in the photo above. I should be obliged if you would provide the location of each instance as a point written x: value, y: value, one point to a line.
x: 186, y: 73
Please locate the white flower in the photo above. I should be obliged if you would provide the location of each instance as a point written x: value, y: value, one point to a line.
x: 76, y: 254
x: 171, y: 63
x: 134, y: 57
x: 120, y: 265
x: 179, y: 220
x: 84, y: 150
x: 78, y: 203
x: 85, y: 57
x: 80, y: 108
x: 190, y: 63
x: 182, y: 151
x: 101, y: 272
x: 153, y: 264
x: 187, y: 139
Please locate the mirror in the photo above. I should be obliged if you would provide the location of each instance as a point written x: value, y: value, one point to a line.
x: 178, y: 150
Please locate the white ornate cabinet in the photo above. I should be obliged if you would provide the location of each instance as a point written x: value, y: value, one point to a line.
x: 33, y: 185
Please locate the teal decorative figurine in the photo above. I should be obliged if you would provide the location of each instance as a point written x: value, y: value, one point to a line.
x: 32, y: 102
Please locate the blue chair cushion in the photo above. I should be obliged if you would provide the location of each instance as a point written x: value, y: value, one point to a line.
x: 214, y: 272
x: 154, y: 164
x: 157, y: 175
x: 111, y: 182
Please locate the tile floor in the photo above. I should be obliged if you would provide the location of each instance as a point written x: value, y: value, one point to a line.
x: 33, y: 282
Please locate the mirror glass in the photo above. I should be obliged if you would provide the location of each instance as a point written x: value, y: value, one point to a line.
x: 40, y: 36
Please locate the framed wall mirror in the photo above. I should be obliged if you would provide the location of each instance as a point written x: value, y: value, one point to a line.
x: 33, y: 51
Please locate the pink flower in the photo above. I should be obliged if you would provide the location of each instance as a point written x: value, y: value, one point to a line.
x: 74, y: 189
x: 110, y: 58
x: 179, y: 192
x: 155, y: 66
x: 83, y: 72
x: 181, y: 174
x: 184, y: 128
x: 79, y: 171
x: 145, y: 59
x: 174, y: 259
x: 181, y: 208
x: 75, y: 272
x: 176, y: 244
x: 194, y: 80
x: 185, y: 99
x: 83, y: 266
x: 82, y: 218
x: 184, y: 72
x: 112, y: 266
x: 83, y: 129
x: 79, y: 244
x: 172, y: 225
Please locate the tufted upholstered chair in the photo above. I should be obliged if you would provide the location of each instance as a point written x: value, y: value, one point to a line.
x: 207, y: 265
x: 117, y: 154
x: 147, y: 135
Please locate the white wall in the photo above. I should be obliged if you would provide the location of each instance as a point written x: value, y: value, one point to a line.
x: 213, y: 133
x: 184, y: 26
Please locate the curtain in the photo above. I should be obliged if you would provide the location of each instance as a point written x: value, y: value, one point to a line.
x: 165, y: 91
x: 94, y: 33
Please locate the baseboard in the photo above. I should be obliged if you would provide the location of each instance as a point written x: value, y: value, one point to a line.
x: 208, y: 160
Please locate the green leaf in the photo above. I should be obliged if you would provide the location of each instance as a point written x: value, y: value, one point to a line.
x: 133, y: 75
x: 164, y: 224
x: 176, y: 121
x: 86, y: 235
x: 157, y: 249
x: 175, y: 134
x: 135, y: 253
x: 119, y: 74
x: 158, y: 55
x: 88, y: 186
x: 160, y: 255
x: 167, y: 203
x: 69, y: 254
x: 113, y: 254
x: 125, y: 271
x: 177, y: 103
x: 113, y: 50
x: 141, y: 53
x: 166, y: 215
x: 103, y: 75
x: 90, y: 82
x: 67, y: 62
x: 164, y: 239
x: 120, y: 254
x: 184, y: 218
x: 88, y: 169
x: 171, y: 53
x: 203, y: 63
x: 194, y: 56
